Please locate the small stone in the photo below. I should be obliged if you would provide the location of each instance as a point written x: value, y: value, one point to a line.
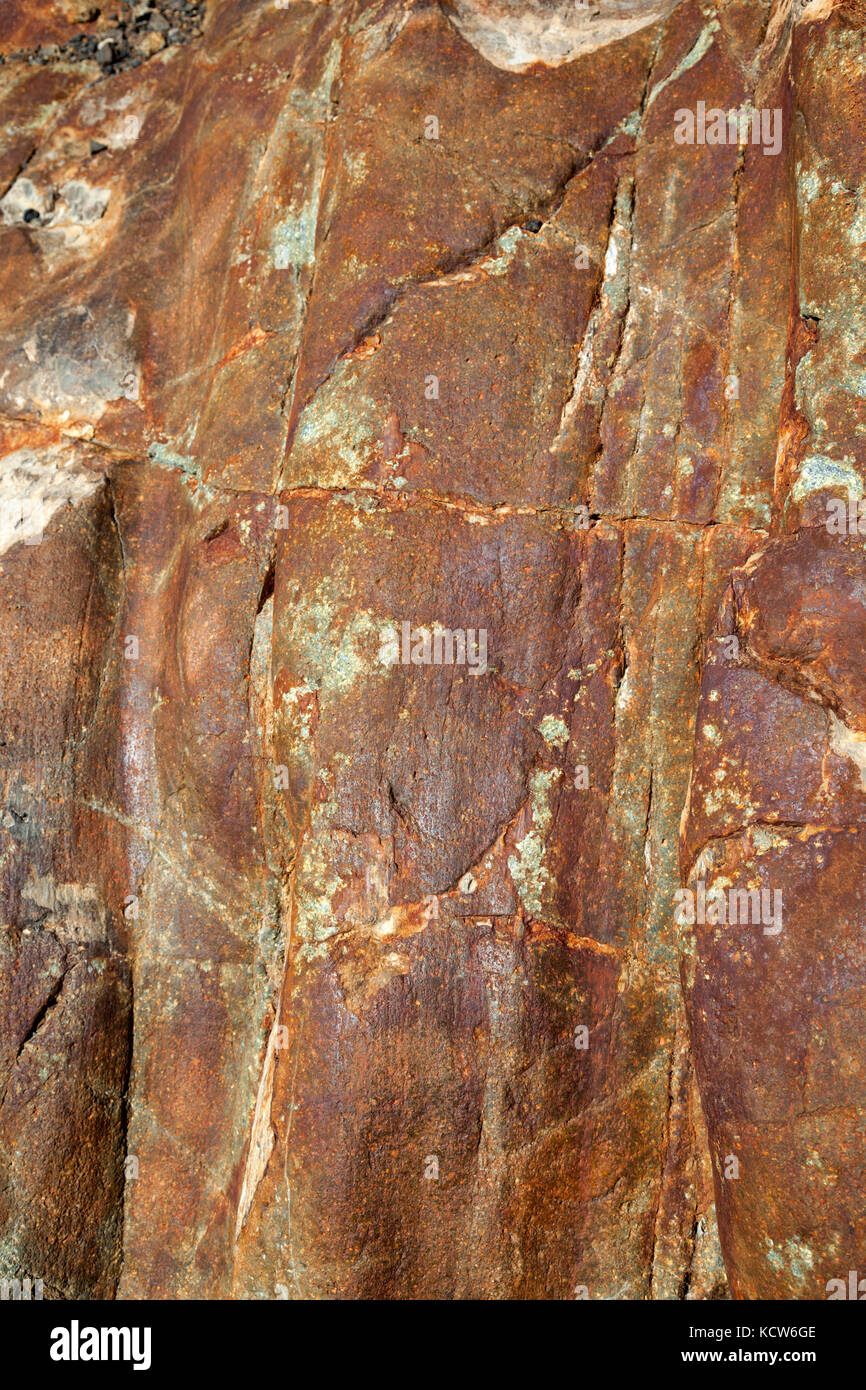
x: 158, y: 23
x: 533, y: 225
x: 146, y: 45
x: 96, y: 147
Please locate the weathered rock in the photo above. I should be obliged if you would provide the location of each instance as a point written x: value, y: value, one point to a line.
x: 777, y: 794
x: 338, y: 333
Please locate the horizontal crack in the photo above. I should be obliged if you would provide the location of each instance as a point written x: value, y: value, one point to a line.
x: 456, y: 502
x: 792, y: 828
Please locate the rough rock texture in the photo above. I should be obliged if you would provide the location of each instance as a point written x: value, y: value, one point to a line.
x: 328, y: 974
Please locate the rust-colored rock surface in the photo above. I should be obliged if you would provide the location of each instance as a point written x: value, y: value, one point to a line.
x: 433, y: 691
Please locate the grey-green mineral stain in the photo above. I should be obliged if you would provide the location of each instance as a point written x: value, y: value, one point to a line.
x: 165, y: 457
x: 317, y: 886
x: 507, y: 243
x: 333, y: 658
x: 554, y: 730
x: 293, y: 241
x: 818, y: 472
x: 699, y: 48
x: 188, y: 467
x: 341, y: 422
x: 528, y: 870
x: 796, y: 1258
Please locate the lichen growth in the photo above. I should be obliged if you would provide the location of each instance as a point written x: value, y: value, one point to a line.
x: 554, y: 730
x: 818, y: 472
x: 332, y: 657
x: 528, y: 870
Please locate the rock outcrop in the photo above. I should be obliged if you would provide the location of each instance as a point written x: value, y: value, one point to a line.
x: 426, y: 433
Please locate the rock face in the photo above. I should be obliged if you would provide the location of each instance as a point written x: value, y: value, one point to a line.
x: 430, y: 448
